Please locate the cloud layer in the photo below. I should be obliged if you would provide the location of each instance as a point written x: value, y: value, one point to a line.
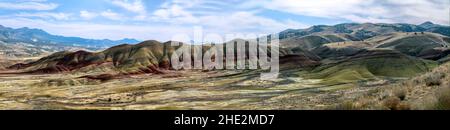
x: 29, y: 5
x: 407, y: 11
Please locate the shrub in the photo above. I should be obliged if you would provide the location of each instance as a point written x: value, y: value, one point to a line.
x: 443, y: 100
x: 400, y: 93
x: 434, y: 79
x: 403, y: 106
x: 346, y: 106
x: 392, y: 103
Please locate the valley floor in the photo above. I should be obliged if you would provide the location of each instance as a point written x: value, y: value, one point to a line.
x: 222, y: 90
x: 199, y: 90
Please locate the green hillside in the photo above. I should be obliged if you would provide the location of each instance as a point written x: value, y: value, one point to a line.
x: 415, y: 44
x: 369, y: 65
x: 313, y: 41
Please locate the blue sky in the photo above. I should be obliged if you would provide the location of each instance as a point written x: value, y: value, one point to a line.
x: 161, y: 19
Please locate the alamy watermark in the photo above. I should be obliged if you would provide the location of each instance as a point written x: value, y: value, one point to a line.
x: 215, y: 52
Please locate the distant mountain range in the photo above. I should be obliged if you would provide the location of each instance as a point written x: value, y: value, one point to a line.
x: 38, y: 36
x: 26, y: 42
x: 354, y: 30
x: 366, y: 30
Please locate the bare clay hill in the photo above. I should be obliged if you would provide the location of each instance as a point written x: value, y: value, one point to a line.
x: 146, y: 57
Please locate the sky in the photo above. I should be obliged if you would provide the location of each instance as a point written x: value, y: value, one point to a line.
x: 162, y: 19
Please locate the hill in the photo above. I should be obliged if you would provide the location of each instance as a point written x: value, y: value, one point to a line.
x: 366, y: 30
x: 310, y: 42
x: 369, y: 64
x: 146, y: 57
x: 423, y: 45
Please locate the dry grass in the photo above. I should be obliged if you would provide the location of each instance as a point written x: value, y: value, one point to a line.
x: 348, y: 105
x: 395, y: 103
x: 430, y: 91
x: 443, y: 100
x: 400, y: 93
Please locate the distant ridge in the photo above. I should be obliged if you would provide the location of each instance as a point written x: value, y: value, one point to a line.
x: 41, y: 37
x: 366, y: 30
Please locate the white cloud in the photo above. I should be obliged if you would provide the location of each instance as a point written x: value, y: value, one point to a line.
x: 160, y: 32
x: 31, y: 5
x: 98, y: 31
x: 132, y: 5
x: 87, y: 15
x: 230, y: 21
x: 406, y: 11
x: 136, y: 6
x: 111, y: 15
x: 46, y: 15
x: 175, y: 13
x: 247, y: 22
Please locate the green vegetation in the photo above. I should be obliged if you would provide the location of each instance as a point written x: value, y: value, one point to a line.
x: 413, y: 45
x: 334, y: 38
x: 443, y: 100
x: 342, y: 74
x: 444, y: 60
x: 370, y: 66
x: 310, y: 42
